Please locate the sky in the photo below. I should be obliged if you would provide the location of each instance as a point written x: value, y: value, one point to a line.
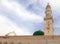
x: 24, y: 17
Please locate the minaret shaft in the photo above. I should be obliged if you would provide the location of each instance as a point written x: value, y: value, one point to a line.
x: 48, y: 21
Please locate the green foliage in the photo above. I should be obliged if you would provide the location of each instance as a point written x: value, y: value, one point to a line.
x: 39, y: 32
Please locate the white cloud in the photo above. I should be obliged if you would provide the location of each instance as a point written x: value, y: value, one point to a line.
x: 53, y: 3
x: 7, y: 26
x: 21, y: 11
x: 56, y: 3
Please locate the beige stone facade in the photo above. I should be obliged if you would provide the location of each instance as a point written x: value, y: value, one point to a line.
x: 29, y: 39
x: 48, y: 21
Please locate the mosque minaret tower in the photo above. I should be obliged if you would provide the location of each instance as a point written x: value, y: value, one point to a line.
x: 48, y: 21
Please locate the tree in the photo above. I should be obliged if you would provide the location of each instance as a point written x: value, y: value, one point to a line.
x: 39, y: 32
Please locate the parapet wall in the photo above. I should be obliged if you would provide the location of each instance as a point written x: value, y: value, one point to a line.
x: 29, y: 39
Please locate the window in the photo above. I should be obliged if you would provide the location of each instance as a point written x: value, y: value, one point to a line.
x: 11, y: 43
x: 0, y: 42
x: 48, y: 31
x: 48, y: 24
x: 5, y: 42
x: 48, y: 28
x: 19, y: 43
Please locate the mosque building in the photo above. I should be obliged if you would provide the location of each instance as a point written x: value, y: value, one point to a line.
x: 47, y: 38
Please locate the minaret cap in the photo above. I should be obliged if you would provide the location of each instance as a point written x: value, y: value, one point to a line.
x: 48, y: 6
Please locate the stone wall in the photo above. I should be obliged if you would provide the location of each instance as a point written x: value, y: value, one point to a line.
x: 29, y: 39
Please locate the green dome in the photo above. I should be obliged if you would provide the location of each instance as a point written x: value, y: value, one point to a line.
x: 39, y: 32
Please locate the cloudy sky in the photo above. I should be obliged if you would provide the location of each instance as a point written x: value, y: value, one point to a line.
x: 27, y: 16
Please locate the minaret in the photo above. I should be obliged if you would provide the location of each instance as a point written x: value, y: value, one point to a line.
x: 48, y: 21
